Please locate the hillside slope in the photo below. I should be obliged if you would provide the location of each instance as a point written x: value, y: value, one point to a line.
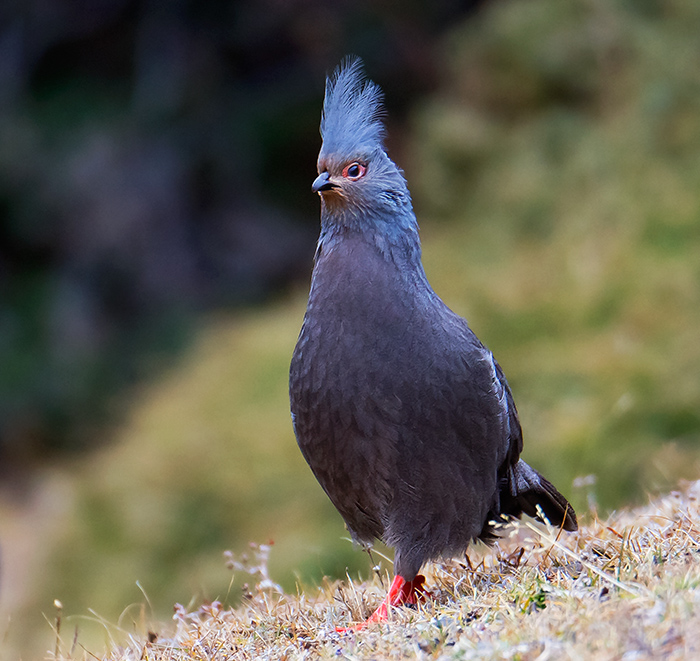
x: 627, y: 587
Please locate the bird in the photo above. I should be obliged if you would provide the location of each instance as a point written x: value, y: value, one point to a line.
x: 404, y: 417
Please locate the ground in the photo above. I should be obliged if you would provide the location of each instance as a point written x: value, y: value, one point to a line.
x: 627, y: 587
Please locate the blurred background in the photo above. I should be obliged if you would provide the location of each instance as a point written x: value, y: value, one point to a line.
x: 156, y: 236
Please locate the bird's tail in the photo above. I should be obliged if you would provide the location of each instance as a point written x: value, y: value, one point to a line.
x: 527, y: 492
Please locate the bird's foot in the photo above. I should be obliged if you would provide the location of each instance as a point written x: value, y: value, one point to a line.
x: 401, y: 592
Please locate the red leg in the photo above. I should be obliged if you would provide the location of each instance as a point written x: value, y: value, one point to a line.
x: 401, y: 592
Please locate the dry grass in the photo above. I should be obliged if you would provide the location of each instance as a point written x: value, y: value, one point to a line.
x: 627, y: 587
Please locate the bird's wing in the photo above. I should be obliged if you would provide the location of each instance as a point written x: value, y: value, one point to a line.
x: 505, y: 396
x: 523, y: 489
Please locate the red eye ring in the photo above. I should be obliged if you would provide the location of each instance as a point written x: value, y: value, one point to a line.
x: 354, y: 171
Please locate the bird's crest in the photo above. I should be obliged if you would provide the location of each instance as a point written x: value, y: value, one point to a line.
x: 352, y: 111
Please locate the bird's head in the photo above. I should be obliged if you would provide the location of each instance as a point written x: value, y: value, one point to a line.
x: 359, y: 185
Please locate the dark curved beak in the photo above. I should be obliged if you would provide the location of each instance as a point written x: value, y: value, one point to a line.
x: 321, y: 183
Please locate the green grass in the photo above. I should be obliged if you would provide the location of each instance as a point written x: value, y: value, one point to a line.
x: 557, y: 180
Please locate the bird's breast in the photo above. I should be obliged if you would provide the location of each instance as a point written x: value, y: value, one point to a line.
x: 385, y: 383
x: 363, y: 312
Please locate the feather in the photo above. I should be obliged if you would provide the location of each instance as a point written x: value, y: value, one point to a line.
x: 352, y: 111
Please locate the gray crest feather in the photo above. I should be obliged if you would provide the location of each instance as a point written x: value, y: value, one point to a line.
x: 352, y: 112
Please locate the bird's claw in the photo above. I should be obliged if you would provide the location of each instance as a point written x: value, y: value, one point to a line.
x: 401, y: 592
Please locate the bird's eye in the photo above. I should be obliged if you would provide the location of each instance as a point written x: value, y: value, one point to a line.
x: 354, y: 171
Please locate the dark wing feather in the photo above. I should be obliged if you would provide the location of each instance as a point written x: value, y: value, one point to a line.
x: 523, y: 489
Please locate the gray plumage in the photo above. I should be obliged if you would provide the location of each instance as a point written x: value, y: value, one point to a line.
x: 404, y: 417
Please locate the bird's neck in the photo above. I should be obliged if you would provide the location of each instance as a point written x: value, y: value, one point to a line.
x: 395, y: 237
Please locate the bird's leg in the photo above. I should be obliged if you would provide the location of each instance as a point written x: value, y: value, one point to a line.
x: 401, y: 592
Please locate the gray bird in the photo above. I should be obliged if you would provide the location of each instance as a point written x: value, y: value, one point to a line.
x: 403, y: 415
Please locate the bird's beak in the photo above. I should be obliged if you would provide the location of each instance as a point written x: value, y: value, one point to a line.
x: 322, y: 183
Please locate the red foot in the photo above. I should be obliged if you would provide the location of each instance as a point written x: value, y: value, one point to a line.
x: 401, y: 592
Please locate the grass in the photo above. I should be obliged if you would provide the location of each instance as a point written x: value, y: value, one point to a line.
x: 626, y: 587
